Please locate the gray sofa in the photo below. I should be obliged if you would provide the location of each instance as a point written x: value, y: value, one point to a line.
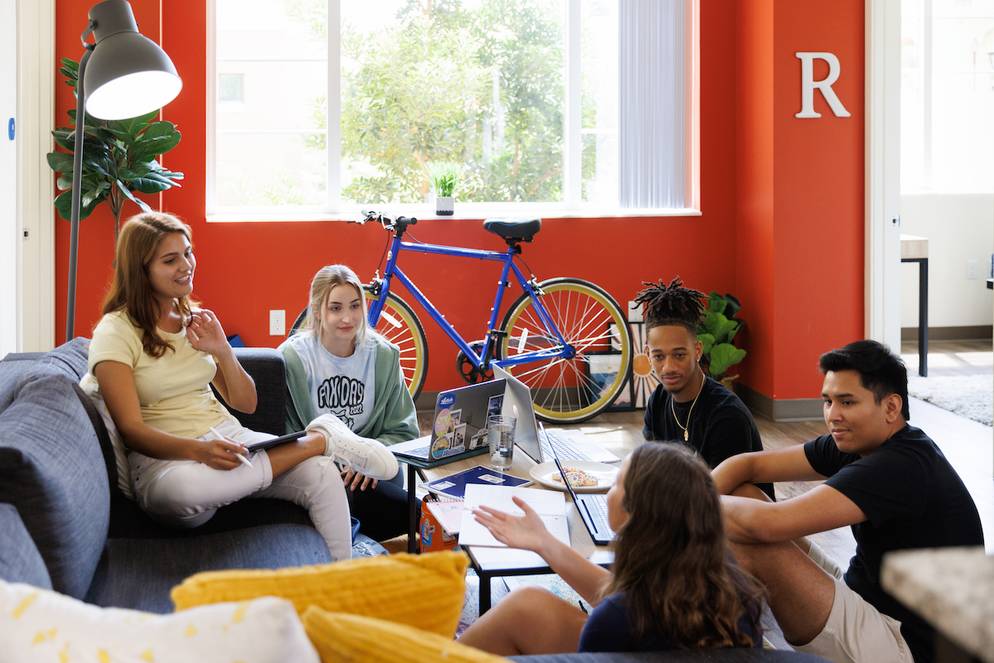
x: 64, y: 525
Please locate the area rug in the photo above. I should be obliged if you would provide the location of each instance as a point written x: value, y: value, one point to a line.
x: 966, y: 395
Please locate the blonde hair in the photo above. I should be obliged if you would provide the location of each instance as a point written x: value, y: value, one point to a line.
x: 131, y: 289
x: 326, y: 279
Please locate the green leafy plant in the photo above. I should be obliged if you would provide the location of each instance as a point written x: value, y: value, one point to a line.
x: 443, y: 178
x: 717, y: 333
x: 119, y: 158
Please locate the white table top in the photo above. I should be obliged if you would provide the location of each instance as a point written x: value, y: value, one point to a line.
x: 952, y: 589
x: 913, y: 246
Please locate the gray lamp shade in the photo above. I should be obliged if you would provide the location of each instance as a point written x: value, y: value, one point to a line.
x: 128, y: 74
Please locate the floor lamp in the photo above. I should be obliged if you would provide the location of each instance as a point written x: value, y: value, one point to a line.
x: 121, y: 75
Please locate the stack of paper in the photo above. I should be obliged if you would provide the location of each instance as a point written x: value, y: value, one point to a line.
x: 550, y: 506
x: 448, y: 514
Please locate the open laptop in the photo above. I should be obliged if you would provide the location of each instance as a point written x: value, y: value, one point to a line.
x: 592, y: 510
x: 458, y: 426
x: 541, y: 445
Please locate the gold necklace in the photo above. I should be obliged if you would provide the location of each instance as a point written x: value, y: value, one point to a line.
x: 686, y: 432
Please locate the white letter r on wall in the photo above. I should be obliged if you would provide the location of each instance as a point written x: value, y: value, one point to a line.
x: 808, y: 84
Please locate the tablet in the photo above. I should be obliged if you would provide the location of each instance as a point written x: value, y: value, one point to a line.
x: 272, y: 442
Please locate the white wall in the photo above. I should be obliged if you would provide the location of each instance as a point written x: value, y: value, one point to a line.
x: 8, y: 179
x: 959, y: 228
x: 35, y: 185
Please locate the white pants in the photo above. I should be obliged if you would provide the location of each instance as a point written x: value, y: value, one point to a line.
x: 186, y: 493
x: 855, y: 632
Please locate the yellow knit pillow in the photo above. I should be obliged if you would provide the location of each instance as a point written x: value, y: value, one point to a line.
x: 339, y: 637
x: 425, y: 591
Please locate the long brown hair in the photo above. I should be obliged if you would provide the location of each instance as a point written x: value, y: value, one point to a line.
x: 131, y: 289
x: 671, y: 560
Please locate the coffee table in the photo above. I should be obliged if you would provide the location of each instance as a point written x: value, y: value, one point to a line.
x: 490, y: 563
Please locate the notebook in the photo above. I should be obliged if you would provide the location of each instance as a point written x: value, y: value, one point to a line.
x: 455, y: 485
x: 550, y: 506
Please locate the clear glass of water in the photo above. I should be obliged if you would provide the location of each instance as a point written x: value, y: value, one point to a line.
x: 500, y: 436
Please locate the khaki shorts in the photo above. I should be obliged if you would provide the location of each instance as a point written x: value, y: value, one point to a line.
x: 855, y: 632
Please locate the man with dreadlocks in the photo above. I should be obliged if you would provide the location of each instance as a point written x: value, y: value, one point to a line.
x: 689, y: 406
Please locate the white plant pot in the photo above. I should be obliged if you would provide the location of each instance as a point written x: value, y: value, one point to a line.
x: 444, y: 205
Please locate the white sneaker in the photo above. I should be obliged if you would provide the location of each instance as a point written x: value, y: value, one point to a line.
x: 366, y: 456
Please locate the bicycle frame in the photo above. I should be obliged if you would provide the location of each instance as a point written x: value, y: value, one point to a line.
x: 481, y: 360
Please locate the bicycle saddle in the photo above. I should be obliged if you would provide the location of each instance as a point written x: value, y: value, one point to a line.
x: 519, y: 230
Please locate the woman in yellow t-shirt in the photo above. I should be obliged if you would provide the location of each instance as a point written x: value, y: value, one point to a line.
x: 152, y: 360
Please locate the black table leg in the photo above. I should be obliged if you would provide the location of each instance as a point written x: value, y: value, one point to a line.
x: 484, y: 592
x: 923, y: 317
x: 922, y: 314
x: 412, y: 509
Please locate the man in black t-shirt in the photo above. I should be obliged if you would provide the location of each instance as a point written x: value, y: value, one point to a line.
x: 886, y: 479
x: 688, y: 406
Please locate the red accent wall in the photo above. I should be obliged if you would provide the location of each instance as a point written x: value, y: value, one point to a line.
x: 781, y: 200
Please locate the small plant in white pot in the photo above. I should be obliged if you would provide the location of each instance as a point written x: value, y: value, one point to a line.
x: 443, y: 182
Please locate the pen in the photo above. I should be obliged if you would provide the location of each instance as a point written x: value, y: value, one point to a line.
x: 241, y: 458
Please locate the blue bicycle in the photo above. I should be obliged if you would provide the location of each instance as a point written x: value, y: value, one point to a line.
x: 566, y: 338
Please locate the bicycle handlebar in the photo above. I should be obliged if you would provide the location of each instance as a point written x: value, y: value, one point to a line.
x: 400, y: 222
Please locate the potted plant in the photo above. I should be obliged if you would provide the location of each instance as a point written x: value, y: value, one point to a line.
x: 717, y: 332
x: 443, y: 182
x: 119, y: 158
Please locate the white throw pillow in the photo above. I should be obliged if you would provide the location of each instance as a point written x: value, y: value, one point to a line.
x: 39, y: 625
x: 90, y: 387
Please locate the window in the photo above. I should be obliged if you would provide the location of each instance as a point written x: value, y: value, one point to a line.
x: 549, y: 103
x: 947, y: 96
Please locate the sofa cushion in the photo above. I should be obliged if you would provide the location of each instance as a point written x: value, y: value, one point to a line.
x: 343, y: 637
x: 69, y: 358
x: 138, y: 573
x: 52, y: 470
x: 735, y: 655
x: 19, y: 558
x: 424, y: 591
x: 13, y: 370
x: 266, y: 367
x: 38, y: 625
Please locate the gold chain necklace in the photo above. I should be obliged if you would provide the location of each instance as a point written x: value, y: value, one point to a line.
x: 686, y: 432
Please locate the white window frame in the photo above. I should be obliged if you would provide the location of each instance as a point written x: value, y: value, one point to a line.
x: 571, y: 206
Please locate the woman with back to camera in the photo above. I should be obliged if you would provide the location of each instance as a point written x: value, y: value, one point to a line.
x: 673, y: 584
x: 337, y: 365
x: 152, y: 361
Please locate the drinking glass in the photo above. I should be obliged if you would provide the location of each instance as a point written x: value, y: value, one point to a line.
x: 500, y: 435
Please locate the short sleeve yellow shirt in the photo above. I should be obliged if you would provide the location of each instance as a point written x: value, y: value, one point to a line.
x: 173, y: 390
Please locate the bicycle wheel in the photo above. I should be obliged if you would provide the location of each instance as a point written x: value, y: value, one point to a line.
x: 400, y: 325
x: 570, y: 390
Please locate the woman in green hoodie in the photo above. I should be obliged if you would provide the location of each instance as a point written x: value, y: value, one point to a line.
x: 337, y: 365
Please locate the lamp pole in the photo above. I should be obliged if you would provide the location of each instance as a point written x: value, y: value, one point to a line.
x: 77, y: 188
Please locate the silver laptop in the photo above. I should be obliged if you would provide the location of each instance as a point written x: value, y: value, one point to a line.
x: 541, y: 445
x: 458, y: 425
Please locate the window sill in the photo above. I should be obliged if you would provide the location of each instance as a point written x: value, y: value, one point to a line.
x: 463, y: 212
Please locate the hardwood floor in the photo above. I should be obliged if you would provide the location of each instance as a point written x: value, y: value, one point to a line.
x: 969, y: 357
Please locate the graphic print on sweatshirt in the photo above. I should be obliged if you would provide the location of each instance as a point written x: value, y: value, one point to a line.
x: 343, y: 397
